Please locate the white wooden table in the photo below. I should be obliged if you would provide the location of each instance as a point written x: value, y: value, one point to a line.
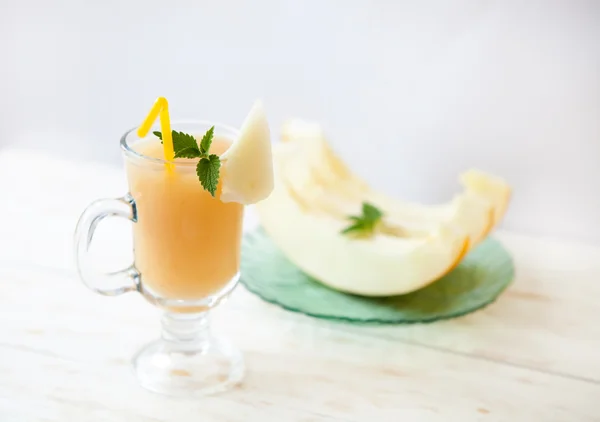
x: 534, y: 355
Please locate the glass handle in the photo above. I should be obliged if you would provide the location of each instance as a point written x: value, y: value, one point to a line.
x: 113, y: 283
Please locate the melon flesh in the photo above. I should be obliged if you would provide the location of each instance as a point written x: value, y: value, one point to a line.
x: 248, y: 163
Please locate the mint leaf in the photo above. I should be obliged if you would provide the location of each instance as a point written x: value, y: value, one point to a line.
x: 207, y: 141
x: 185, y: 146
x: 208, y: 172
x: 357, y: 227
x: 370, y: 212
x: 365, y: 224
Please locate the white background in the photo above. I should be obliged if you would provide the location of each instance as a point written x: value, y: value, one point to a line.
x: 411, y: 93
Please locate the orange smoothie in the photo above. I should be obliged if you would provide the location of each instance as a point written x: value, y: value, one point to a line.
x: 186, y: 243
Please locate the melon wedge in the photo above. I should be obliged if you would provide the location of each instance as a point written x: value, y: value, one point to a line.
x: 248, y: 163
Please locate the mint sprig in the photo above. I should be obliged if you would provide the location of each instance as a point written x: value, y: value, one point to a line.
x: 208, y: 167
x: 365, y: 224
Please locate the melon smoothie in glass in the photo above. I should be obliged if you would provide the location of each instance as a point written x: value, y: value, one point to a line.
x: 187, y: 232
x: 187, y: 243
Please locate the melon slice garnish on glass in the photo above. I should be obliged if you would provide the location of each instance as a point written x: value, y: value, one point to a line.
x: 247, y: 169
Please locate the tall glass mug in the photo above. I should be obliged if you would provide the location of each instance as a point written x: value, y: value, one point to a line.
x: 187, y: 259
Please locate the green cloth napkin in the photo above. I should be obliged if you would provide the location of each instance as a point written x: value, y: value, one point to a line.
x: 482, y: 275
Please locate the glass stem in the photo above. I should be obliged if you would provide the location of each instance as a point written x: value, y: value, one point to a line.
x: 187, y: 332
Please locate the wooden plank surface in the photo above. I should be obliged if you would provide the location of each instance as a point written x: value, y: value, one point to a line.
x: 65, y: 353
x: 532, y: 355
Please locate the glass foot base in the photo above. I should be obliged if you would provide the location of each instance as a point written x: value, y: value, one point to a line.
x: 181, y: 368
